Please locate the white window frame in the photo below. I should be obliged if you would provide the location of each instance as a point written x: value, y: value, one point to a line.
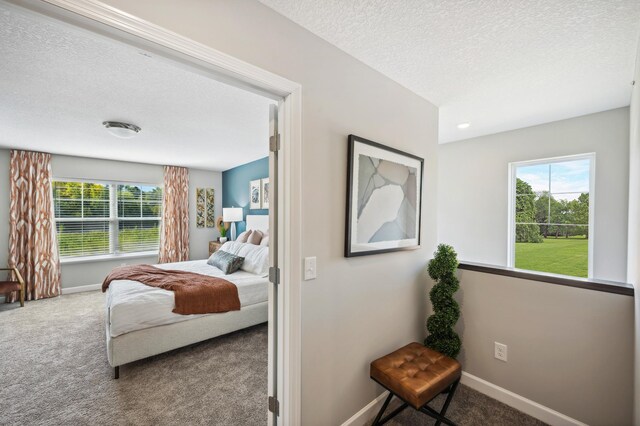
x: 112, y: 219
x: 511, y: 226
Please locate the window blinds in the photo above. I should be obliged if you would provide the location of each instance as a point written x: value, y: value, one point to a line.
x: 139, y: 213
x: 104, y: 218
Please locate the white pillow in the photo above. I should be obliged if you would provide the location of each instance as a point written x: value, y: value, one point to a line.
x: 255, y: 237
x: 256, y: 258
x: 242, y: 238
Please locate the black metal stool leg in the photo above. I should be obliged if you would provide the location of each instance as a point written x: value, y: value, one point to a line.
x: 376, y: 422
x: 433, y: 413
x: 394, y: 413
x: 439, y: 416
x: 452, y: 391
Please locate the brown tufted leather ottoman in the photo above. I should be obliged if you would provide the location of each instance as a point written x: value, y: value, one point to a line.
x: 416, y: 375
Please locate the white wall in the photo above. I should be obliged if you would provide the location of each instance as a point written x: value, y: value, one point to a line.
x: 357, y: 309
x: 79, y: 274
x: 473, y: 186
x: 633, y: 264
x: 560, y: 338
x: 199, y: 237
x: 569, y: 349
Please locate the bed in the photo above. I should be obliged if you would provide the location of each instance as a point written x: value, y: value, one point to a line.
x: 140, y: 322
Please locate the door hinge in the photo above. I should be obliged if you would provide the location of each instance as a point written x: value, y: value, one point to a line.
x: 274, y: 405
x: 274, y: 143
x: 274, y: 275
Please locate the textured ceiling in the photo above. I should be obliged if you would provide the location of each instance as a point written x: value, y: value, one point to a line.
x: 498, y: 65
x: 58, y: 84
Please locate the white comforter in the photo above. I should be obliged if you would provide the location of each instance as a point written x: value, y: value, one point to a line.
x: 132, y: 305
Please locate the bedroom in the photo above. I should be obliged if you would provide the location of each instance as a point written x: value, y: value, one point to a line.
x: 72, y: 100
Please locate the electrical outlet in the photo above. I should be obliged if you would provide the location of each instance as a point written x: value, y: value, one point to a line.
x: 500, y: 351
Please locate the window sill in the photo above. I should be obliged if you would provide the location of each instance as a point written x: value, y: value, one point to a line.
x: 588, y: 284
x: 107, y: 257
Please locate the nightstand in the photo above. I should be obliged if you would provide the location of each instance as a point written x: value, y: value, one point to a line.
x: 214, y: 246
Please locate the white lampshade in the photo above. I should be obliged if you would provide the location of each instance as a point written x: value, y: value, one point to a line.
x: 232, y: 214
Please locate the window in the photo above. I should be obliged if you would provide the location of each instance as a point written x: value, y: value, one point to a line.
x: 551, y: 211
x: 95, y: 219
x: 139, y: 215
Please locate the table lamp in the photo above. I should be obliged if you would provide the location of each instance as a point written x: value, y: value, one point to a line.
x: 233, y: 215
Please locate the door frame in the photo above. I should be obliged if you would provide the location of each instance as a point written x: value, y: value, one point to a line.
x: 98, y: 17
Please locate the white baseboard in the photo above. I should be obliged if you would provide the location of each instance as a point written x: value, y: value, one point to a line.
x: 81, y: 288
x: 518, y: 402
x: 70, y: 290
x: 505, y: 396
x: 367, y: 413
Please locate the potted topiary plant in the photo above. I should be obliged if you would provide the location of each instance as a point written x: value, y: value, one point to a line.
x: 442, y: 269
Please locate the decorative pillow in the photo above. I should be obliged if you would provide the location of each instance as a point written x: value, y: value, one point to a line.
x: 225, y: 261
x: 242, y: 238
x: 265, y: 241
x: 256, y: 258
x: 255, y: 238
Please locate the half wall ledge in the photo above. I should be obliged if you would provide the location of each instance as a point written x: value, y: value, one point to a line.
x: 625, y: 289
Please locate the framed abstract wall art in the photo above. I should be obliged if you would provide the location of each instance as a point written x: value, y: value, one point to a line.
x: 211, y: 212
x: 384, y: 199
x: 200, y: 208
x: 255, y: 200
x: 205, y: 210
x: 265, y: 193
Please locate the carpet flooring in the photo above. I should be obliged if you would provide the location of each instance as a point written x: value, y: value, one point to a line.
x: 468, y: 408
x: 54, y: 370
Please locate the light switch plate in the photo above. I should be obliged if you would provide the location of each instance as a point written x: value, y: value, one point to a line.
x: 310, y: 268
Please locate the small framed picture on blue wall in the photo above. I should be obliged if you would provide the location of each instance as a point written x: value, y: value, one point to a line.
x: 255, y: 198
x: 265, y: 193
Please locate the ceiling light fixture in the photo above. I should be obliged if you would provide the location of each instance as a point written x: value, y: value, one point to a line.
x: 463, y: 125
x: 121, y: 130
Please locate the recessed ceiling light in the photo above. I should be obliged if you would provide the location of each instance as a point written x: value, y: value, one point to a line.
x: 121, y: 130
x: 463, y: 125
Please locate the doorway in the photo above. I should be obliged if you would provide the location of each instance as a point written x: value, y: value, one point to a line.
x: 284, y: 166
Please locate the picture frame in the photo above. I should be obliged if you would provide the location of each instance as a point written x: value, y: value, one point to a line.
x: 210, y: 207
x: 384, y: 198
x: 200, y: 208
x: 255, y: 194
x: 264, y: 185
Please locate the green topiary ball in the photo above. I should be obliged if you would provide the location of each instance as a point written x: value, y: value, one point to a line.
x: 445, y: 261
x: 448, y: 345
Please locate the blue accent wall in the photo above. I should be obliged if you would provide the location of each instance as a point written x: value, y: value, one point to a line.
x: 235, y: 187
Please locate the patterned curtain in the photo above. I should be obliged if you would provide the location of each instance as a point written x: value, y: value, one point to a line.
x: 32, y: 233
x: 174, y: 238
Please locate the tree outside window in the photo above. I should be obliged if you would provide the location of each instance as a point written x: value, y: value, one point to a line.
x: 551, y: 216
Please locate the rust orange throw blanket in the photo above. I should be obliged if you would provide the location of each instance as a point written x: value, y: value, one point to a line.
x: 194, y: 293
